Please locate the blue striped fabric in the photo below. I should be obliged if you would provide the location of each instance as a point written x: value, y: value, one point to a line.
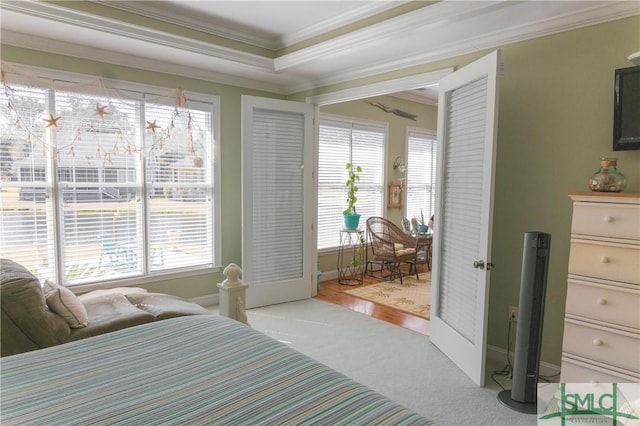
x: 193, y: 370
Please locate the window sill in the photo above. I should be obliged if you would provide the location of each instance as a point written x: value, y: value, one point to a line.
x: 141, y: 280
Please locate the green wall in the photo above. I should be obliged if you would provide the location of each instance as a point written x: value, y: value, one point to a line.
x: 556, y: 107
x: 556, y: 121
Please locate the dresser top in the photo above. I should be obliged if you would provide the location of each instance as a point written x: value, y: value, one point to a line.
x: 606, y: 197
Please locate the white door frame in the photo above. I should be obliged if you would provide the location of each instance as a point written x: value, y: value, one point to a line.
x: 267, y: 291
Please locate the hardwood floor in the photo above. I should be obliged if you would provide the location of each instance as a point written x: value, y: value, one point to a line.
x: 331, y: 291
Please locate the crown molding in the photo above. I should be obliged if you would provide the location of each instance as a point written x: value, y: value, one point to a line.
x: 599, y: 13
x: 419, y: 20
x: 107, y: 56
x: 257, y: 38
x: 366, y: 10
x: 55, y: 13
x: 147, y: 10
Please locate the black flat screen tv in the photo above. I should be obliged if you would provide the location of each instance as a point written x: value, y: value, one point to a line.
x: 626, y: 109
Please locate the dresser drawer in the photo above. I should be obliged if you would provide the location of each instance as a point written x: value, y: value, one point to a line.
x: 609, y: 261
x: 606, y: 220
x: 574, y: 371
x: 613, y: 347
x: 604, y: 303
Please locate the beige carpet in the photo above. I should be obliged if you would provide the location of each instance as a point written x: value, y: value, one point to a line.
x: 413, y: 297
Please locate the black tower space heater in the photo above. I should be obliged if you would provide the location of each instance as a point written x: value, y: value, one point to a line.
x: 522, y: 396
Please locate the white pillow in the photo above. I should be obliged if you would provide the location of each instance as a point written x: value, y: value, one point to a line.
x: 63, y: 302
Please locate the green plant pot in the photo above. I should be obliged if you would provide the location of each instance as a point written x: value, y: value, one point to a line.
x: 351, y: 221
x: 423, y: 229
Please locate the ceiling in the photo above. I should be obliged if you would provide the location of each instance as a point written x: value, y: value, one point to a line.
x: 289, y: 46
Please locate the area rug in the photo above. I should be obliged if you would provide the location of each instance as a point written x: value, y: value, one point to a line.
x: 412, y: 297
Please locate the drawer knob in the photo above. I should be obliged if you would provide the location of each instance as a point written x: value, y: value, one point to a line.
x: 608, y: 219
x: 604, y: 259
x: 602, y: 301
x: 597, y: 342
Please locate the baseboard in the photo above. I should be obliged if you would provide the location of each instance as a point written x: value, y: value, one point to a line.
x: 498, y: 356
x: 207, y: 300
x: 328, y: 275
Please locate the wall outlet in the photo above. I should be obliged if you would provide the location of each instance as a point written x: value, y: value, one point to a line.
x: 513, y: 313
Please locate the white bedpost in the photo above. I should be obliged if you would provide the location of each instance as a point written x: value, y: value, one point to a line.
x: 232, y: 294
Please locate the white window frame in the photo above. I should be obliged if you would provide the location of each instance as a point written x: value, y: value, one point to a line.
x: 362, y: 122
x: 144, y: 90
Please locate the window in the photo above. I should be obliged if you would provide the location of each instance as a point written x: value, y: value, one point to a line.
x: 421, y: 173
x: 362, y: 144
x: 102, y: 184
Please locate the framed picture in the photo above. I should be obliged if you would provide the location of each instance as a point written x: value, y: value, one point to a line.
x: 395, y: 195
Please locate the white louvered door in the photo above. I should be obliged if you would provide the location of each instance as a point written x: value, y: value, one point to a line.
x: 467, y: 121
x: 276, y: 200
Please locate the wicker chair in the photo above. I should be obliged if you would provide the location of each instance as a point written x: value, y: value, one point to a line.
x: 390, y: 247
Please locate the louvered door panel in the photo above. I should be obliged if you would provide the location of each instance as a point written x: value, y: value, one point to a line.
x: 277, y: 197
x: 462, y: 204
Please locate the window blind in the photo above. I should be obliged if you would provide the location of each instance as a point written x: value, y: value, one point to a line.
x: 421, y: 174
x: 278, y: 182
x: 104, y: 187
x: 461, y: 206
x: 362, y: 145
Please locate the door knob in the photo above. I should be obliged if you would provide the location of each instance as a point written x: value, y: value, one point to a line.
x: 478, y: 264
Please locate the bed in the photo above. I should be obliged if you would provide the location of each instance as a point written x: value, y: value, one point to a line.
x: 194, y: 370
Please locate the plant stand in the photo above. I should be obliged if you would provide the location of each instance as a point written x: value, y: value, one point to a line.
x: 351, y: 257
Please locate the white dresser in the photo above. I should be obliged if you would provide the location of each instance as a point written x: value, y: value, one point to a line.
x: 602, y: 321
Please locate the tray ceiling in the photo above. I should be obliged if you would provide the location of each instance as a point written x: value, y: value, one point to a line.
x: 288, y: 46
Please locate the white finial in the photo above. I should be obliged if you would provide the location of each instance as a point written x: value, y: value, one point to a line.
x: 232, y: 272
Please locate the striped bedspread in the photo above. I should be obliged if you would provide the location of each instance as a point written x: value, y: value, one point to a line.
x: 192, y: 370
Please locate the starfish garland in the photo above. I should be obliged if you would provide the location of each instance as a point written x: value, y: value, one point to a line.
x: 52, y: 121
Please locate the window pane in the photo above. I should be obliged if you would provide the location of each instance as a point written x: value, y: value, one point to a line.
x: 26, y: 224
x: 421, y: 174
x: 102, y: 234
x: 180, y: 193
x: 342, y: 142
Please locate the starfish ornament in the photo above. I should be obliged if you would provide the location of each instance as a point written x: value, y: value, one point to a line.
x: 52, y: 121
x: 152, y: 126
x: 101, y: 110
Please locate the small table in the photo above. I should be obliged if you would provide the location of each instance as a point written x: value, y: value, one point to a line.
x: 424, y: 245
x: 351, y: 257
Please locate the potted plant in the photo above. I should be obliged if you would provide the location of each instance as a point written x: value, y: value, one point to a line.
x: 351, y: 217
x: 422, y: 224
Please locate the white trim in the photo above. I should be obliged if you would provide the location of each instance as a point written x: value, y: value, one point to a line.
x: 94, y: 22
x: 434, y: 16
x: 381, y: 88
x: 116, y: 58
x: 142, y: 280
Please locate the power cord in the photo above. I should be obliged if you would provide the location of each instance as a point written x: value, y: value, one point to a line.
x: 507, y: 370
